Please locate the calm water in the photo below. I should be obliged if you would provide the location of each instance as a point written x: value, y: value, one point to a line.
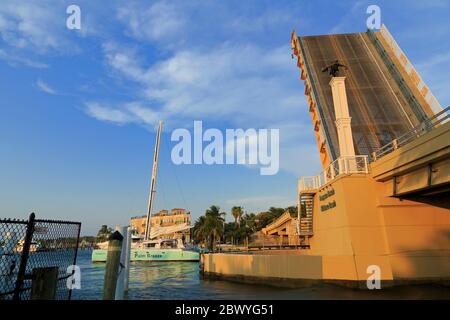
x: 180, y: 280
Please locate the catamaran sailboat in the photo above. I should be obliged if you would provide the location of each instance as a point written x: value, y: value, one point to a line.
x: 155, y: 250
x: 154, y: 246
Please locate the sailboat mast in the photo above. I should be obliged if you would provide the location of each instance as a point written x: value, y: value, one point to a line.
x: 153, y: 182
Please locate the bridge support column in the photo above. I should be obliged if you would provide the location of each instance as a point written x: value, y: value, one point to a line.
x: 343, y: 119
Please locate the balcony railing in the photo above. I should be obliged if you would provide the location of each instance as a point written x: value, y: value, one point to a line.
x: 341, y: 166
x: 426, y: 126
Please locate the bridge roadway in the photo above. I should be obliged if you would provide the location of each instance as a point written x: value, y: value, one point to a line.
x: 420, y: 170
x: 383, y: 105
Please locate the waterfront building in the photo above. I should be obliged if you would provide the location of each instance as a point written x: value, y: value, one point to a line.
x: 174, y: 221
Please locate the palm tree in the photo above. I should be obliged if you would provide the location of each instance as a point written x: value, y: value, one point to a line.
x: 200, y: 232
x: 209, y: 228
x: 215, y: 221
x: 237, y: 214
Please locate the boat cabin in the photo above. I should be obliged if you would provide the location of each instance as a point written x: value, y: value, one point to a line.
x: 162, y: 244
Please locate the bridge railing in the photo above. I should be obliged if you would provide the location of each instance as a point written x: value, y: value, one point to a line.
x: 426, y: 126
x: 341, y: 166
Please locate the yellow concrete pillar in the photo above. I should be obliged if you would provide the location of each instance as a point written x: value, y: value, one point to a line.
x: 343, y: 119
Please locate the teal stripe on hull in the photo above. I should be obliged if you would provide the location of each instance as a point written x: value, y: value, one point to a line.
x: 99, y: 255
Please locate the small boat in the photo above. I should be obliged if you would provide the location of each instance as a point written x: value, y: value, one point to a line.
x: 155, y: 250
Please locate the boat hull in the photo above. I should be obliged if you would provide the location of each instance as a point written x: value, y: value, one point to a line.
x: 99, y: 255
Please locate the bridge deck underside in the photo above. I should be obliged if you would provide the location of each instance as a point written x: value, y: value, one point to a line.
x: 379, y: 110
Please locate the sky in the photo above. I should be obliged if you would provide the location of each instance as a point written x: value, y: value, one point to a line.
x: 79, y: 108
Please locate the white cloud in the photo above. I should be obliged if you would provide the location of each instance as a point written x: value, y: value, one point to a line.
x: 39, y: 27
x: 242, y: 84
x: 124, y: 60
x: 245, y: 86
x: 145, y: 114
x: 44, y: 87
x: 263, y: 22
x: 15, y: 59
x: 431, y: 71
x: 26, y: 24
x: 132, y: 112
x: 346, y: 21
x: 156, y: 22
x: 176, y: 23
x: 230, y: 82
x: 109, y: 114
x: 435, y: 61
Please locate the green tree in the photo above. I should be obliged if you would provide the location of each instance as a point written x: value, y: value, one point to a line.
x: 292, y: 210
x: 104, y: 233
x: 200, y: 232
x: 237, y: 234
x: 209, y: 227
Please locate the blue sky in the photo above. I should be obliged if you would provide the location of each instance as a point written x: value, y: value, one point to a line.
x: 78, y: 108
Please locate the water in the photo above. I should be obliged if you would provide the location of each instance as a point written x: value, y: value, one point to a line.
x: 181, y: 280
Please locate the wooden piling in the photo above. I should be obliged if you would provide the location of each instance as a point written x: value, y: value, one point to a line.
x: 44, y: 282
x: 127, y: 259
x: 112, y: 265
x: 120, y: 286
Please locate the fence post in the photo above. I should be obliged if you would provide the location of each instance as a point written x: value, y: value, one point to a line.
x: 332, y: 171
x: 43, y: 285
x: 75, y: 258
x: 120, y: 287
x: 395, y: 144
x: 366, y: 164
x: 127, y: 259
x: 112, y: 265
x: 24, y: 256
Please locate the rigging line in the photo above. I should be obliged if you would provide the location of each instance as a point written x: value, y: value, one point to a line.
x: 176, y: 176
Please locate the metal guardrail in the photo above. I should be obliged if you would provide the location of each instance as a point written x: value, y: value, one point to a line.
x: 360, y: 163
x: 342, y: 165
x: 252, y: 249
x: 426, y: 126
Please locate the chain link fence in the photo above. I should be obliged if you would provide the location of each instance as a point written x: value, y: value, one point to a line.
x: 26, y: 245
